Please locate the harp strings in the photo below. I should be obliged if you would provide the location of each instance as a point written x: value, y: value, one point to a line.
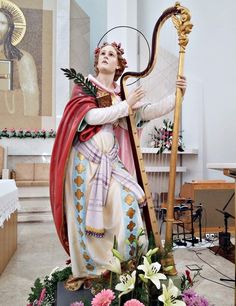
x: 158, y: 85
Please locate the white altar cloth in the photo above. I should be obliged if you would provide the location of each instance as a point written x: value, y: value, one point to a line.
x: 8, y: 199
x: 221, y: 166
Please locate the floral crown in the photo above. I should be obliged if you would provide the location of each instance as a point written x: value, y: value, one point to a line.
x: 115, y: 45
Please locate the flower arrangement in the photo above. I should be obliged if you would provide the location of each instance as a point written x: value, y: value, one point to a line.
x: 36, y: 133
x: 161, y: 138
x: 139, y: 281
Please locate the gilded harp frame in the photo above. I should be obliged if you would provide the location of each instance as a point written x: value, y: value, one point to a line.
x: 181, y: 20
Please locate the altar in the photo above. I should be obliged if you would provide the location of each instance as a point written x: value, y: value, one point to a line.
x: 8, y: 221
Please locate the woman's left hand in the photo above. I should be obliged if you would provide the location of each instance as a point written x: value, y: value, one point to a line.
x: 181, y: 83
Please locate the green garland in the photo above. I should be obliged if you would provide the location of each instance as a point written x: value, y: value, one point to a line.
x: 50, y: 284
x: 12, y: 133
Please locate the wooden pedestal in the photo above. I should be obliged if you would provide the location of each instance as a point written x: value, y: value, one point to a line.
x: 8, y: 240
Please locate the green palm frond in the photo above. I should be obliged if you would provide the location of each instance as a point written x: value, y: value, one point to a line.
x: 87, y: 86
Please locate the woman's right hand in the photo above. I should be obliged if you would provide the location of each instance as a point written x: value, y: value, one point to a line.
x: 135, y: 96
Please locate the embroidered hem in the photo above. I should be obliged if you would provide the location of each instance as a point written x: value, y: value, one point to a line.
x: 92, y: 231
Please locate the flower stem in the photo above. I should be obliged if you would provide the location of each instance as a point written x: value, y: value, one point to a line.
x: 147, y: 292
x: 111, y: 279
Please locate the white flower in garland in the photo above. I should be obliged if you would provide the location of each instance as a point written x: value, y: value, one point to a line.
x: 151, y: 271
x: 169, y: 295
x: 56, y: 269
x: 127, y: 283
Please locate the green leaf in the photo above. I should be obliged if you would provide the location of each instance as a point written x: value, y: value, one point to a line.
x: 117, y: 254
x: 35, y: 291
x: 87, y: 86
x: 145, y: 280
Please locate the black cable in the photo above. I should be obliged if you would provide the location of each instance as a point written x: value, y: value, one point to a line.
x: 212, y: 242
x: 210, y: 265
x: 210, y: 280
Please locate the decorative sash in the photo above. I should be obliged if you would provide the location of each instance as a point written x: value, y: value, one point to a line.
x: 101, y: 182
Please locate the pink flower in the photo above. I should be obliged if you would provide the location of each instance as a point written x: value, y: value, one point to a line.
x: 42, y: 296
x: 133, y: 302
x: 190, y: 297
x: 96, y: 51
x: 77, y: 304
x: 103, y: 298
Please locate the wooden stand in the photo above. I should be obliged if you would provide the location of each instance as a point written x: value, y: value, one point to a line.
x: 8, y: 240
x: 8, y: 221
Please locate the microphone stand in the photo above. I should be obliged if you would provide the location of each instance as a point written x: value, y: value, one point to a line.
x: 193, y: 239
x: 198, y: 214
x: 228, y: 201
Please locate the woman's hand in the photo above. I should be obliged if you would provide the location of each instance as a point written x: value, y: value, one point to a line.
x: 135, y: 96
x: 181, y: 83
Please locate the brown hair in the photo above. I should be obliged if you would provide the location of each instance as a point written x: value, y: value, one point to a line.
x: 121, y: 60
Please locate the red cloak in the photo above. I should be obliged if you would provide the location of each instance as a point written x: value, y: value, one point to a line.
x: 73, y: 114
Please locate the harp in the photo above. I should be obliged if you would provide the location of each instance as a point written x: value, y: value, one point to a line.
x: 181, y: 19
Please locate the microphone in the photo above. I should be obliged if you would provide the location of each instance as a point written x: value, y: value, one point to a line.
x: 198, y: 212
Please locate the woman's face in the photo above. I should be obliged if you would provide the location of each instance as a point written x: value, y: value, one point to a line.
x: 3, y: 26
x: 107, y: 61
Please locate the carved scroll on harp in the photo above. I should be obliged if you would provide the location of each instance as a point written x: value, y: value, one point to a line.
x: 149, y: 212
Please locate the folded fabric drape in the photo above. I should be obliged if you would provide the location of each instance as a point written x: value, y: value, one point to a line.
x: 106, y: 170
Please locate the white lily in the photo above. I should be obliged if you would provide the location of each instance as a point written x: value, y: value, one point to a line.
x: 169, y: 295
x: 114, y: 265
x: 151, y: 272
x: 127, y: 283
